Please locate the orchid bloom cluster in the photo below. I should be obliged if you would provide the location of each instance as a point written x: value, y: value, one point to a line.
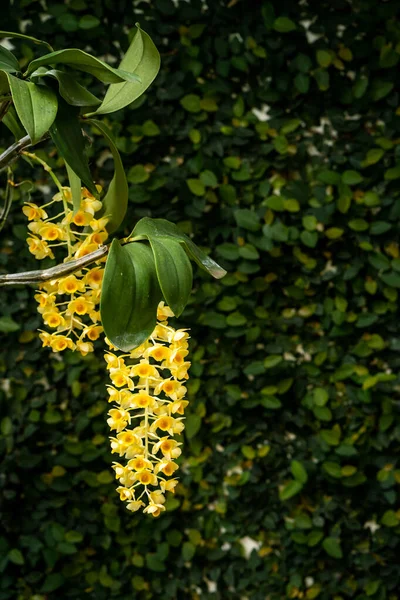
x: 147, y: 383
x: 147, y: 389
x: 69, y: 306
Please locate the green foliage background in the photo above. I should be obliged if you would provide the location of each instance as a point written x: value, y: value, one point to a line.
x: 272, y: 134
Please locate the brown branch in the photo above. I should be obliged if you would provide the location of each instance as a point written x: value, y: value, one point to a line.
x: 35, y: 277
x: 12, y: 153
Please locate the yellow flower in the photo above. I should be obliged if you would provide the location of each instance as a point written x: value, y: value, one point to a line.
x: 144, y: 369
x: 157, y: 497
x: 168, y: 447
x: 169, y: 485
x: 122, y: 397
x: 33, y: 211
x: 145, y: 477
x: 163, y: 312
x: 140, y: 464
x: 84, y: 347
x: 93, y: 332
x: 51, y: 232
x: 53, y: 318
x: 143, y: 400
x: 81, y: 219
x: 90, y: 206
x: 158, y: 352
x: 140, y: 350
x: 124, y: 493
x: 113, y: 361
x: 70, y: 285
x: 80, y: 306
x: 119, y: 419
x: 167, y: 467
x: 154, y: 509
x: 94, y: 278
x: 98, y: 224
x: 45, y: 301
x: 173, y: 389
x: 59, y: 343
x: 120, y: 377
x: 135, y: 505
x: 165, y: 423
x: 179, y: 406
x: 123, y: 474
x: 39, y: 248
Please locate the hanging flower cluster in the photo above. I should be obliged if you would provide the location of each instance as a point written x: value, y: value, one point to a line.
x: 69, y: 306
x: 147, y: 389
x: 147, y: 383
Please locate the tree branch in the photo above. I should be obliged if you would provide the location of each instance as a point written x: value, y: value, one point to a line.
x: 32, y: 277
x: 13, y: 151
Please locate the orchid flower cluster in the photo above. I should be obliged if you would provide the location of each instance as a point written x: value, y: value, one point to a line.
x: 147, y: 384
x: 147, y: 389
x: 70, y: 305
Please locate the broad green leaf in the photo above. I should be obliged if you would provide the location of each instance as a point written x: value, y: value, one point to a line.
x: 115, y: 202
x: 82, y: 61
x: 174, y: 272
x: 130, y: 295
x: 192, y: 425
x: 4, y: 85
x: 67, y: 136
x: 292, y: 488
x: 12, y: 122
x: 298, y: 471
x: 69, y: 88
x: 75, y: 186
x: 36, y: 106
x: 8, y: 325
x: 332, y: 547
x: 147, y: 227
x: 22, y: 36
x: 8, y: 62
x: 248, y: 219
x: 143, y: 59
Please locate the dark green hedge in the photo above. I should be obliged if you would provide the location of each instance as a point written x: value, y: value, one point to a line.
x: 272, y: 133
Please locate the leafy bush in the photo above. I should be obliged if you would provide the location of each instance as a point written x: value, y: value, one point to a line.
x: 272, y: 134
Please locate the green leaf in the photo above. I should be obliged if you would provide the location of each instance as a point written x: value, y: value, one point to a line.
x: 192, y: 426
x: 12, y: 122
x: 88, y: 22
x: 298, y: 471
x: 292, y: 488
x: 142, y: 58
x: 191, y: 103
x: 115, y: 202
x: 28, y: 38
x: 67, y: 136
x: 196, y: 186
x: 324, y: 58
x: 8, y: 325
x: 36, y: 106
x: 8, y: 62
x: 75, y: 185
x: 284, y: 25
x: 174, y: 272
x: 82, y: 61
x: 69, y: 88
x: 351, y: 177
x: 188, y: 551
x: 15, y: 556
x: 390, y: 519
x: 130, y: 295
x: 147, y: 227
x: 332, y: 547
x: 247, y: 219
